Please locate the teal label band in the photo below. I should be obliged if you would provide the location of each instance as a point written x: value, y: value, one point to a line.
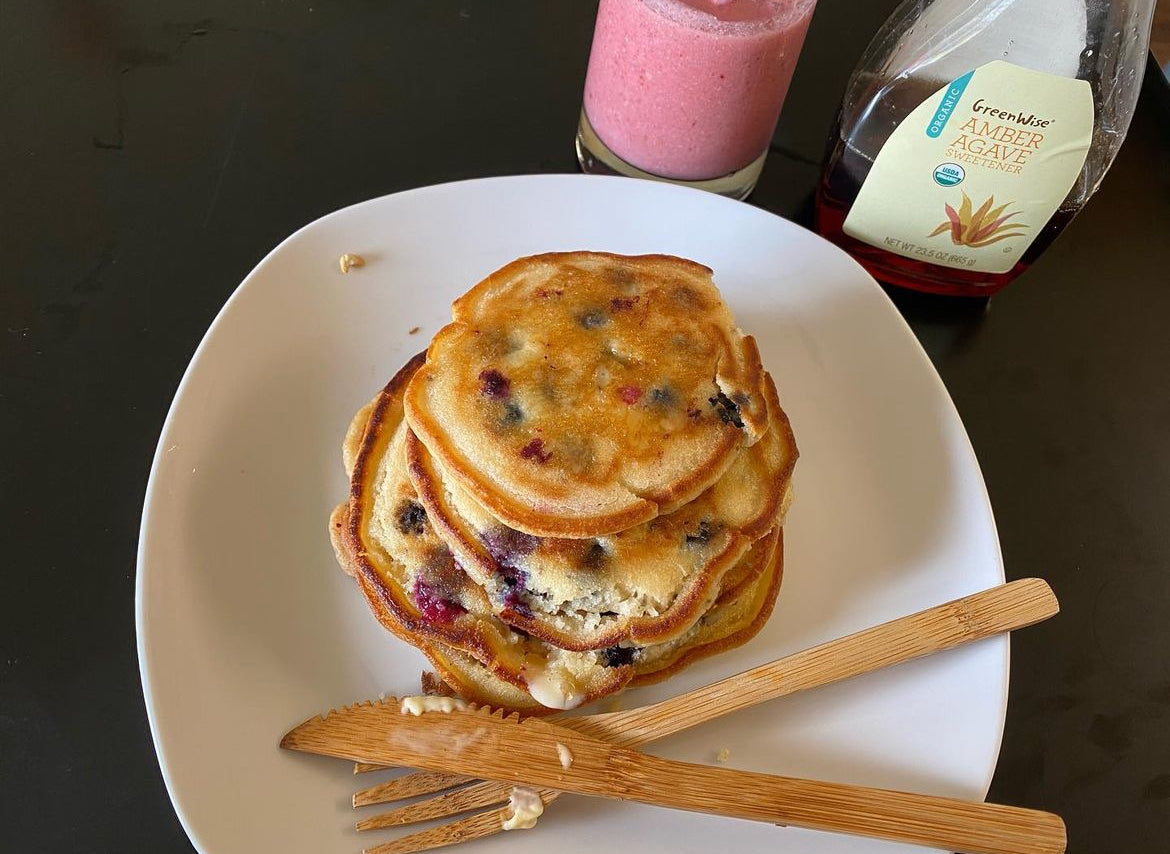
x: 950, y: 100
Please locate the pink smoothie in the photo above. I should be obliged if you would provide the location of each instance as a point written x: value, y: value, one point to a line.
x: 691, y: 89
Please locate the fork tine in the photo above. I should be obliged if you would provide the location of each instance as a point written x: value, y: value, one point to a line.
x: 441, y: 806
x: 367, y: 767
x: 408, y: 786
x: 473, y: 827
x: 464, y: 830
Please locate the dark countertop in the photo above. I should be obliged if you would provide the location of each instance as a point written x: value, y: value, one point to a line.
x: 152, y: 153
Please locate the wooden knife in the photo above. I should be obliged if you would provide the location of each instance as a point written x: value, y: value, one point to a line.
x: 487, y: 745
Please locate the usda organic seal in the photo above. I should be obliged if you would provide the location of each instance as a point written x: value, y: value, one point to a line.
x: 949, y: 174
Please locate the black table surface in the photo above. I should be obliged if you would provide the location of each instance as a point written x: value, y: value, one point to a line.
x: 152, y: 153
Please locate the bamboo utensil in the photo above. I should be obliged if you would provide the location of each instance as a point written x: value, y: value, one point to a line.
x: 1003, y: 608
x: 999, y: 609
x: 491, y: 746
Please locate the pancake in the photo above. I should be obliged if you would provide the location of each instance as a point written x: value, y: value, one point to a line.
x: 730, y: 624
x: 578, y: 394
x: 646, y: 584
x: 384, y: 538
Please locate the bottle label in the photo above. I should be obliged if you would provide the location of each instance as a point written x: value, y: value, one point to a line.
x: 970, y: 178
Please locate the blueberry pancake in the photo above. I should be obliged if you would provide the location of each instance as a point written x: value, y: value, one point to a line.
x: 733, y: 621
x: 578, y: 394
x: 646, y: 584
x: 384, y: 538
x: 408, y: 575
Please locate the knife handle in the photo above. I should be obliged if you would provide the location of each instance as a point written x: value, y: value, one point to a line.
x: 980, y: 615
x: 954, y: 825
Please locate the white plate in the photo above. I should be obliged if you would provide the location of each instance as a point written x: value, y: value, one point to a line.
x: 246, y: 626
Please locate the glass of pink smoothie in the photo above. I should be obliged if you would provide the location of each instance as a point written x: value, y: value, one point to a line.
x: 688, y: 90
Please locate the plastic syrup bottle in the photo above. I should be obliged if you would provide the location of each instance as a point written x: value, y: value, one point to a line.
x: 973, y: 131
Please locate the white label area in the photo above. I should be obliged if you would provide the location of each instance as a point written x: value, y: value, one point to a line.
x: 973, y: 174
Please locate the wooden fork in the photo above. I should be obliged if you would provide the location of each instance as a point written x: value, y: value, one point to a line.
x: 980, y: 615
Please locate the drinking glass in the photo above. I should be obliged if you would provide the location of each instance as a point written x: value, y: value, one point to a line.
x: 688, y: 91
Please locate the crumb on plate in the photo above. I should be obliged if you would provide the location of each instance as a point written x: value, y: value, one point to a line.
x: 432, y: 684
x: 350, y: 260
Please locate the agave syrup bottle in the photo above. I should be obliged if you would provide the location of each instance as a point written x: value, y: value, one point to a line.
x: 973, y: 131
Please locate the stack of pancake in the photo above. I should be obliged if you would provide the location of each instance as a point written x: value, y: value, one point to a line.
x: 579, y: 487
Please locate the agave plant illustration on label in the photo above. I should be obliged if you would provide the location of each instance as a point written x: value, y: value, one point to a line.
x: 980, y: 227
